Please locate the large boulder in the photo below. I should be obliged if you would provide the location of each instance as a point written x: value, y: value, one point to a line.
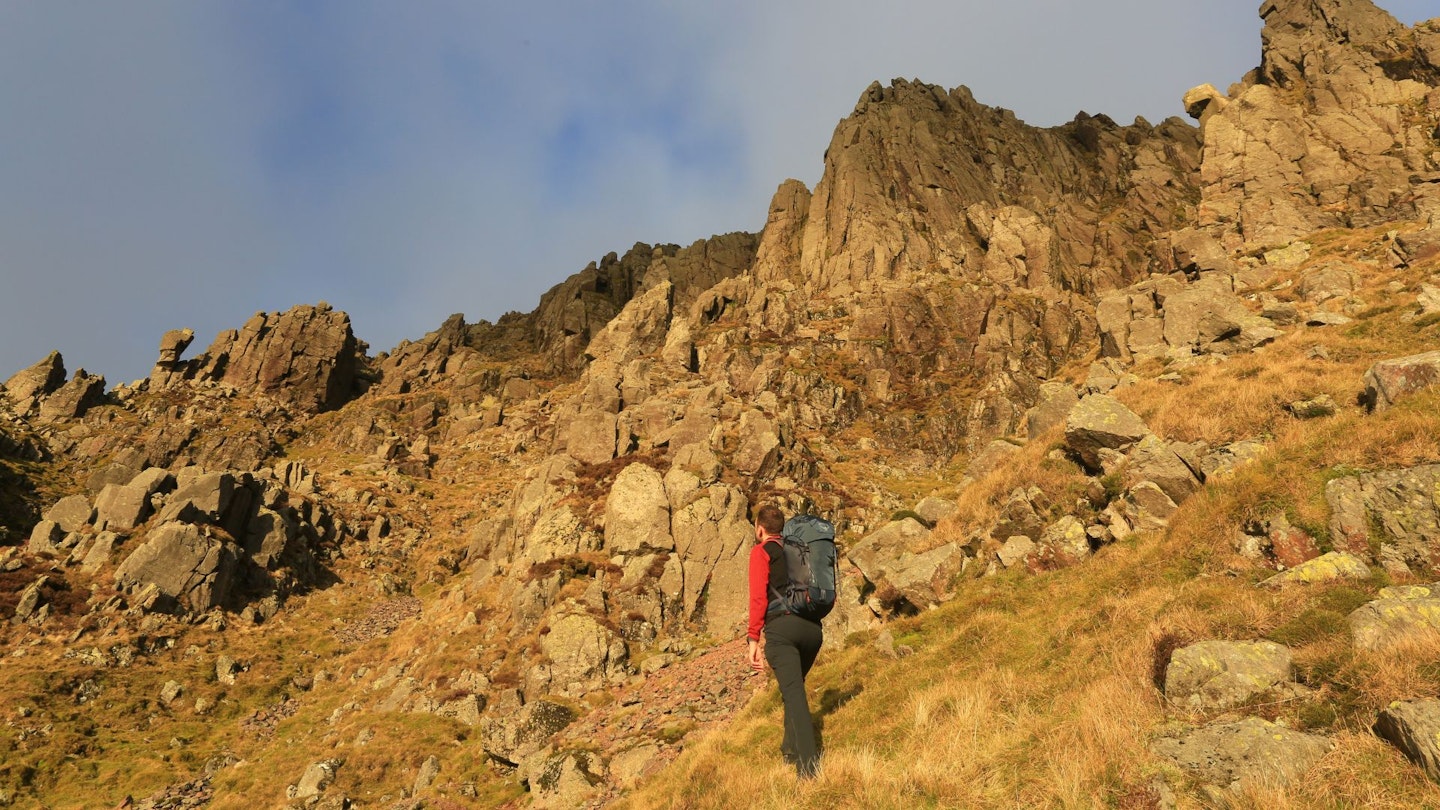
x: 896, y: 560
x: 194, y: 570
x: 559, y: 533
x: 1153, y: 460
x: 1208, y: 318
x: 1052, y: 407
x: 45, y: 538
x: 1328, y: 567
x: 1219, y: 675
x: 1099, y: 422
x: 759, y: 441
x: 121, y: 508
x: 1389, y: 380
x: 511, y: 732
x: 217, y: 498
x: 637, y: 512
x: 71, y: 512
x: 74, y: 398
x: 713, y: 535
x: 565, y: 780
x: 582, y: 654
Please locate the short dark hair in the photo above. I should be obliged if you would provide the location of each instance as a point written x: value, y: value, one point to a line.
x: 770, y: 518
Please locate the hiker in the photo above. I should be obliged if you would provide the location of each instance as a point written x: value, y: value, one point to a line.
x: 791, y: 641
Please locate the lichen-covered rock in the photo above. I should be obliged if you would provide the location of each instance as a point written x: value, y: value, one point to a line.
x: 1314, y: 408
x: 558, y: 533
x: 317, y: 777
x: 98, y: 555
x: 1400, y: 506
x: 1332, y: 279
x: 637, y: 512
x: 1151, y: 459
x: 991, y: 458
x: 759, y: 440
x: 1148, y: 507
x: 1256, y: 752
x: 1219, y: 675
x: 935, y: 509
x: 1052, y: 407
x: 566, y: 779
x: 45, y: 538
x: 1328, y: 567
x: 1101, y: 422
x: 511, y: 732
x: 1015, y: 551
x: 1224, y: 460
x: 1067, y: 540
x: 1413, y: 726
x: 1386, y: 623
x: 583, y: 654
x: 894, y: 558
x: 713, y: 535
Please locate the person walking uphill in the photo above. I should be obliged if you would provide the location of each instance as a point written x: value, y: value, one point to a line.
x: 790, y: 641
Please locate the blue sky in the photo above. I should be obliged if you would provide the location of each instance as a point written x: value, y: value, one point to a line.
x: 173, y: 164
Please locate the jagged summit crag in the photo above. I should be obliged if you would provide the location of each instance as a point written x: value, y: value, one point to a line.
x: 515, y: 552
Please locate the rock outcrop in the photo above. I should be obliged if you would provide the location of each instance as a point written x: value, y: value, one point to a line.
x: 1334, y: 129
x: 307, y: 357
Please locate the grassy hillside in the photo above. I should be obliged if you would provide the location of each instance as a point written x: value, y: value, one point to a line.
x: 1044, y: 690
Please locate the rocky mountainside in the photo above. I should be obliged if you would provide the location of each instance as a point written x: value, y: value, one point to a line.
x: 504, y: 563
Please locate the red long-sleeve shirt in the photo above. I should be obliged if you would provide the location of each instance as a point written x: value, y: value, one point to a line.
x: 767, y: 567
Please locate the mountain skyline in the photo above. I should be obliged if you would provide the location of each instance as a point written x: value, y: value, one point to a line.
x: 175, y: 166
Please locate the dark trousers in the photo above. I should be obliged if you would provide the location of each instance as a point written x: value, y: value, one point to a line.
x: 791, y: 644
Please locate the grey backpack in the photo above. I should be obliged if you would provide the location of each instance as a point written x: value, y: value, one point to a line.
x: 812, y: 563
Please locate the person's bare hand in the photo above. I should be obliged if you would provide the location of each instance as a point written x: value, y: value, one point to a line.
x: 753, y: 657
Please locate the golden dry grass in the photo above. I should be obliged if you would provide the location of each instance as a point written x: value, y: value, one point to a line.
x: 1037, y: 692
